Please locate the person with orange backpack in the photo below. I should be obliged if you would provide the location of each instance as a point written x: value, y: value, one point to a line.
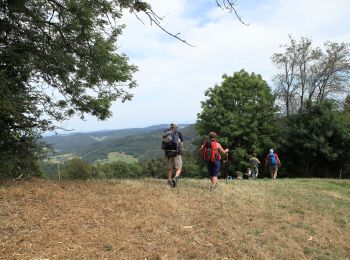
x: 211, y: 154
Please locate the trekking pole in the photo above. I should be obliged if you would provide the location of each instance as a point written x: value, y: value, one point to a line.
x: 225, y: 161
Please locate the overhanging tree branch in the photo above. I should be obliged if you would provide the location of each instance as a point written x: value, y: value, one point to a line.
x: 140, y: 6
x: 231, y: 7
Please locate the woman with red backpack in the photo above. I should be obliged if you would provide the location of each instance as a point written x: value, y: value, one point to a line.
x: 211, y: 154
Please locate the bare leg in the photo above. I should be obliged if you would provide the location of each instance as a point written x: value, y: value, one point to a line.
x: 170, y: 173
x: 214, y: 183
x: 275, y: 174
x: 178, y: 172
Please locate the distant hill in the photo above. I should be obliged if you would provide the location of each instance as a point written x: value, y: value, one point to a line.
x: 143, y: 143
x: 78, y: 141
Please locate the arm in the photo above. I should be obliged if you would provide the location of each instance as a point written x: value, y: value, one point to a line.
x: 222, y: 150
x: 181, y: 137
x: 278, y: 160
x: 204, y: 141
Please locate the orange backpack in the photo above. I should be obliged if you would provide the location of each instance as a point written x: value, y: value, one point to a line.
x: 210, y: 151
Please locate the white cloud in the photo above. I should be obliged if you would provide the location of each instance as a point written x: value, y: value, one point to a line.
x: 172, y: 76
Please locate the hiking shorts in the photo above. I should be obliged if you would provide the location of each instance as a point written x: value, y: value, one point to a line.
x: 273, y: 168
x: 214, y: 168
x: 174, y: 162
x: 255, y: 172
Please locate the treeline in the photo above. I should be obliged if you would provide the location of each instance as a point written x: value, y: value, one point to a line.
x: 306, y: 119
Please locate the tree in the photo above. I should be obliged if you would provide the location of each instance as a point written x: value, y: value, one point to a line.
x: 346, y: 107
x: 316, y: 141
x: 58, y: 58
x: 77, y: 169
x: 311, y: 74
x: 241, y: 111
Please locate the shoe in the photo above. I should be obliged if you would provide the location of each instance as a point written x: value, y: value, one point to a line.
x: 175, y: 181
x: 213, y: 188
x: 170, y: 183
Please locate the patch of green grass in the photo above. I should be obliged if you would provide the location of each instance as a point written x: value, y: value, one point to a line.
x: 308, y: 251
x: 317, y: 253
x: 303, y: 225
x: 107, y: 247
x: 297, y: 211
x: 342, y: 221
x: 321, y: 195
x: 117, y: 157
x: 60, y: 158
x: 254, y: 232
x: 341, y: 186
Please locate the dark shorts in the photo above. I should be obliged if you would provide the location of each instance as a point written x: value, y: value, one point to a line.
x: 214, y: 168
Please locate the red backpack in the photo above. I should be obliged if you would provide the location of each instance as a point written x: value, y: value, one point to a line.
x: 210, y: 151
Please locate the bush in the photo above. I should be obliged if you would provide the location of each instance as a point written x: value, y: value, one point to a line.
x: 76, y: 169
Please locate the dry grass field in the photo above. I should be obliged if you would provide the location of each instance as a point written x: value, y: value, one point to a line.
x: 146, y: 219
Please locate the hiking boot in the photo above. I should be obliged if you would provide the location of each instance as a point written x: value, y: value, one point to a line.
x: 213, y: 188
x: 175, y: 181
x: 170, y: 183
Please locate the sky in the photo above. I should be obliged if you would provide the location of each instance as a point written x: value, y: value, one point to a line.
x: 172, y: 76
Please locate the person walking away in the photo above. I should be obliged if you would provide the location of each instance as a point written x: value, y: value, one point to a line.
x: 172, y: 144
x: 211, y: 154
x: 273, y: 162
x: 254, y: 166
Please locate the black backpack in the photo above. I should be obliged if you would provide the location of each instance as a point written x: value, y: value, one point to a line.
x: 170, y: 143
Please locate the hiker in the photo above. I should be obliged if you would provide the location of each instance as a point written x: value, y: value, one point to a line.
x: 254, y: 166
x: 210, y: 152
x: 273, y: 162
x: 172, y: 145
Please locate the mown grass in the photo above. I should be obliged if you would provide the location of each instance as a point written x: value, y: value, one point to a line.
x: 146, y: 219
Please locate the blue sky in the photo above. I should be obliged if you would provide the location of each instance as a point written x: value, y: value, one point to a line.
x: 172, y: 76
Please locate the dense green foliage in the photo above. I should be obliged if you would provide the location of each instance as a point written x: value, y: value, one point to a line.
x: 241, y: 111
x: 118, y: 170
x: 19, y: 157
x: 316, y: 141
x: 76, y: 169
x: 58, y: 59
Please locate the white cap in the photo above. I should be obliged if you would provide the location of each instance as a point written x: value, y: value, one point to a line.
x: 271, y: 150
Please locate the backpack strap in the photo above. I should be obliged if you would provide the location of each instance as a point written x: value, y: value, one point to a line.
x: 214, y: 146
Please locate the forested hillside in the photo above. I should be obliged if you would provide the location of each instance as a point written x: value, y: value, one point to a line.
x: 73, y: 142
x: 142, y: 143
